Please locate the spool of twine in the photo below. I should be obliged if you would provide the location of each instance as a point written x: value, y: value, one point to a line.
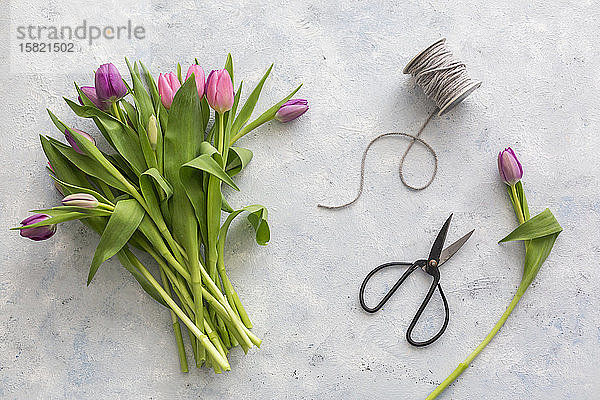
x: 445, y: 81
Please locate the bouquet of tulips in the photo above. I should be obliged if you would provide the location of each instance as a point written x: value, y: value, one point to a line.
x: 160, y: 192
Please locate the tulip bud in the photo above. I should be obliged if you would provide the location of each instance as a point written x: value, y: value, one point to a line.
x: 84, y: 200
x: 90, y: 93
x: 219, y: 91
x: 168, y: 85
x: 109, y: 83
x: 152, y: 132
x: 72, y: 142
x: 199, y: 76
x: 292, y: 109
x: 509, y: 167
x: 40, y: 232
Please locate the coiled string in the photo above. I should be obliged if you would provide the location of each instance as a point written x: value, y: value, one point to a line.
x: 444, y: 80
x: 415, y: 138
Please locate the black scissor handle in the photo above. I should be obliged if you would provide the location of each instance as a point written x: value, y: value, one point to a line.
x: 434, y: 284
x: 361, y: 293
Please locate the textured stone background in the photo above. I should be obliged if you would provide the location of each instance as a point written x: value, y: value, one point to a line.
x: 539, y: 63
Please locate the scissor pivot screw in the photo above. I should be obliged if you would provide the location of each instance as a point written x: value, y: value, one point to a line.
x: 433, y: 263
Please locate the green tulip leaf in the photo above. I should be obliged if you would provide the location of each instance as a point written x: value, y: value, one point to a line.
x: 205, y: 109
x: 62, y: 167
x: 182, y: 138
x: 147, y: 151
x: 237, y: 160
x: 264, y: 117
x: 156, y: 191
x: 124, y: 221
x: 225, y: 205
x: 59, y: 218
x: 248, y: 107
x: 152, y: 175
x: 229, y: 118
x: 151, y: 84
x: 541, y: 225
x: 131, y: 113
x: 205, y: 163
x: 123, y: 166
x: 258, y: 219
x: 124, y: 257
x: 87, y: 164
x: 120, y: 136
x: 538, y: 250
x: 61, y: 210
x: 229, y: 66
x: 78, y: 189
x: 141, y: 96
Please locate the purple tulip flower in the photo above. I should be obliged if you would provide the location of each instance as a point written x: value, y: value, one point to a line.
x: 509, y: 167
x: 168, y: 85
x: 84, y: 200
x: 90, y: 93
x: 109, y: 83
x: 39, y: 232
x: 292, y: 109
x: 199, y: 76
x: 219, y: 91
x: 72, y: 142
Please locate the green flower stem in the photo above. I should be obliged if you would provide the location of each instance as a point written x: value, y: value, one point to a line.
x: 106, y: 207
x: 106, y: 191
x: 202, y: 338
x: 221, y: 140
x: 219, y: 309
x: 157, y: 220
x: 214, y: 208
x: 175, y: 280
x: 465, y: 364
x: 213, y: 302
x: 223, y: 332
x: 235, y: 321
x: 156, y: 239
x: 115, y: 111
x: 189, y: 311
x: 517, y: 204
x: 214, y: 338
x: 232, y: 296
x: 176, y: 328
x: 196, y: 282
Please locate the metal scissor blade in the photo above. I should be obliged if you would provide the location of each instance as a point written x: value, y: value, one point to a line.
x: 453, y: 248
x: 438, y: 245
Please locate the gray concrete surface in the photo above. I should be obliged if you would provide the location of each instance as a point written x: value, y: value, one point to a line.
x: 539, y: 62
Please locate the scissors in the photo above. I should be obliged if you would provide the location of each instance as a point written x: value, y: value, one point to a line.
x: 431, y: 266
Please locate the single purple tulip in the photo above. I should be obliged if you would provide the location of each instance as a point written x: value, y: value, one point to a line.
x: 72, y: 142
x: 219, y: 90
x: 292, y: 109
x: 109, y: 83
x: 40, y: 232
x: 509, y: 167
x: 199, y: 76
x: 168, y: 85
x: 84, y: 200
x: 90, y: 93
